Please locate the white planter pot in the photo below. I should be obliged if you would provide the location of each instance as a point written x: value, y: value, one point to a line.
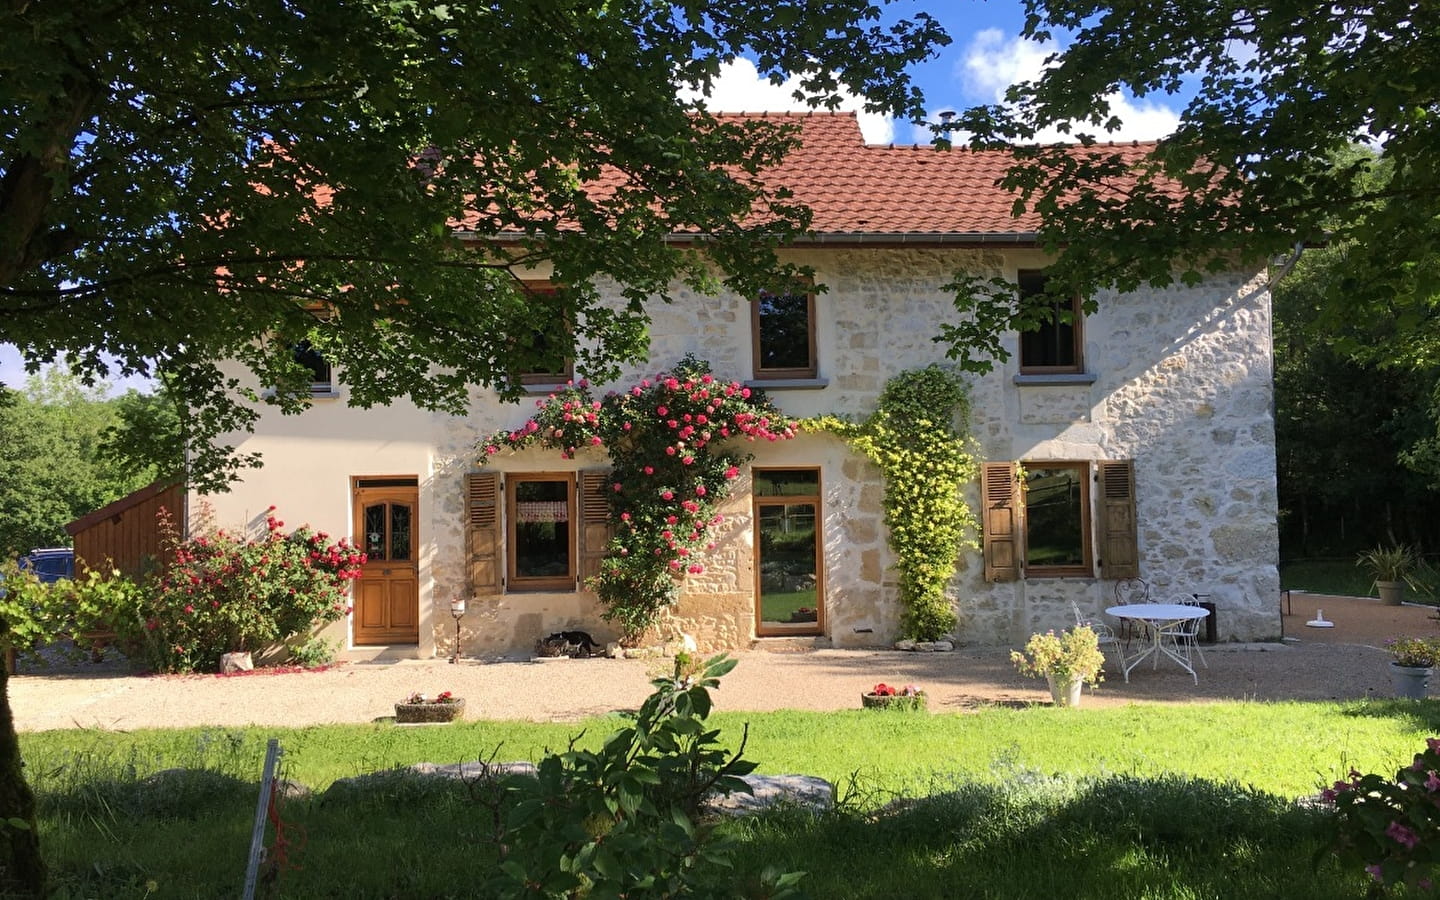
x: 1065, y: 693
x: 1410, y: 682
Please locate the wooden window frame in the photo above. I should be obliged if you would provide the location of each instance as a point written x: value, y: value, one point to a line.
x: 1087, y: 533
x: 780, y: 629
x: 515, y: 583
x: 568, y: 372
x: 318, y: 385
x: 1077, y: 335
x: 764, y: 374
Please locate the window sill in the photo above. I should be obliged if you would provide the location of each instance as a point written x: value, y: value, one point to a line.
x: 545, y: 387
x: 313, y: 394
x: 788, y: 384
x: 1056, y: 379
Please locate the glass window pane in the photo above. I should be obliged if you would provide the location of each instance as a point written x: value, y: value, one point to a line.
x: 542, y: 529
x: 787, y: 482
x: 784, y: 332
x: 788, y: 578
x: 311, y: 359
x: 1054, y: 514
x: 399, y: 531
x: 375, y: 532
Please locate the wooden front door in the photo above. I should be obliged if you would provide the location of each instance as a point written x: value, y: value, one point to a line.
x: 387, y: 596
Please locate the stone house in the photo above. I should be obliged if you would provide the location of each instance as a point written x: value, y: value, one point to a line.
x: 1146, y: 432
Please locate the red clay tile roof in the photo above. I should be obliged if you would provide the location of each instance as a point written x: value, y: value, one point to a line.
x: 856, y: 188
x: 861, y: 191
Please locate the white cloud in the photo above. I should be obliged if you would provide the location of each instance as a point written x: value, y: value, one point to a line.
x: 992, y: 62
x: 741, y: 89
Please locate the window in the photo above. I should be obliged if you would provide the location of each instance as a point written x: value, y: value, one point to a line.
x: 1055, y: 346
x: 788, y: 594
x: 310, y: 358
x: 1043, y: 528
x: 545, y: 344
x: 540, y: 532
x: 1057, y: 519
x: 783, y: 326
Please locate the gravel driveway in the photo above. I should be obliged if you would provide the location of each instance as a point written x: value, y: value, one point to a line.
x: 1344, y: 662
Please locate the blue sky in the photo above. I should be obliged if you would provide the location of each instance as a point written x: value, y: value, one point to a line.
x: 985, y: 57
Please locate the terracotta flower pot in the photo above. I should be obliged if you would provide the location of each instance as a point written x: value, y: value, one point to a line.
x: 1391, y: 592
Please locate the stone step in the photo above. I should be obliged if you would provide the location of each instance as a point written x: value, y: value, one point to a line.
x: 795, y: 644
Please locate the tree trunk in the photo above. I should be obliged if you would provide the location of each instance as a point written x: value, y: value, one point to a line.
x: 22, y: 870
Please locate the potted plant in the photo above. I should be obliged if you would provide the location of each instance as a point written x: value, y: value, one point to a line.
x: 883, y: 696
x: 1413, y: 664
x: 1392, y: 568
x: 444, y: 707
x: 1067, y: 660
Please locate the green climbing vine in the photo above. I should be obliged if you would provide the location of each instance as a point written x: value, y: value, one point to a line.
x: 925, y: 457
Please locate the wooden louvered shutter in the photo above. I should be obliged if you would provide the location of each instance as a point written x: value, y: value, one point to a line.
x: 1000, y: 497
x: 482, y: 532
x: 596, y: 524
x: 1119, y: 546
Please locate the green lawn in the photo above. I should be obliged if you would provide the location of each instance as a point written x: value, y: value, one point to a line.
x: 1154, y: 801
x: 1343, y: 578
x: 1326, y: 576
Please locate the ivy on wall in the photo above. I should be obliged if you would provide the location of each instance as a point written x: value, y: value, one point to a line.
x: 668, y: 473
x: 919, y: 437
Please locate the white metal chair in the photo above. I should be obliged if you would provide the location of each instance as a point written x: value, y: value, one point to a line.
x: 1109, y: 641
x: 1129, y: 591
x: 1185, y: 637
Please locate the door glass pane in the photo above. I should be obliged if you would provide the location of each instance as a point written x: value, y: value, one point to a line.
x: 788, y: 589
x: 399, y: 531
x: 787, y: 482
x: 1055, y: 522
x: 375, y: 532
x: 542, y: 529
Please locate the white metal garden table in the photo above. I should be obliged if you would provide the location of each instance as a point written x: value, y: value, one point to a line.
x: 1164, y: 621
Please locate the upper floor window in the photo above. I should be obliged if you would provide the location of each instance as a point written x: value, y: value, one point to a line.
x: 783, y: 326
x: 1056, y: 345
x: 547, y: 344
x: 312, y: 359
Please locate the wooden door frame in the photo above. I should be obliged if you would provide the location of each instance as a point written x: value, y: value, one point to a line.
x: 805, y: 629
x: 407, y: 492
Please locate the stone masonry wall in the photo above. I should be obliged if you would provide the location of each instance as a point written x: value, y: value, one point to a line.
x: 1181, y: 386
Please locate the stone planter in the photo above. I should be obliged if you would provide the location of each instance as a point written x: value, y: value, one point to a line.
x: 1065, y: 693
x: 412, y: 713
x: 1390, y: 592
x: 1410, y: 682
x: 907, y: 702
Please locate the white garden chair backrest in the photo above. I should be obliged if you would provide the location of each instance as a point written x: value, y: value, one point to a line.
x: 1132, y: 590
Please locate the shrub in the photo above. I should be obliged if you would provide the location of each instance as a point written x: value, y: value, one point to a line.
x: 622, y: 821
x: 226, y: 592
x: 1074, y: 653
x: 1391, y: 826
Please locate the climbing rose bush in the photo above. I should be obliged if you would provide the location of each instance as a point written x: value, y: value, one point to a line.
x: 671, y: 443
x: 225, y: 591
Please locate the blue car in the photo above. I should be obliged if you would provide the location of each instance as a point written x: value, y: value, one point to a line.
x: 50, y: 564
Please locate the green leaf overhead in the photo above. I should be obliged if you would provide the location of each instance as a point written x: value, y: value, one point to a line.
x: 189, y: 182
